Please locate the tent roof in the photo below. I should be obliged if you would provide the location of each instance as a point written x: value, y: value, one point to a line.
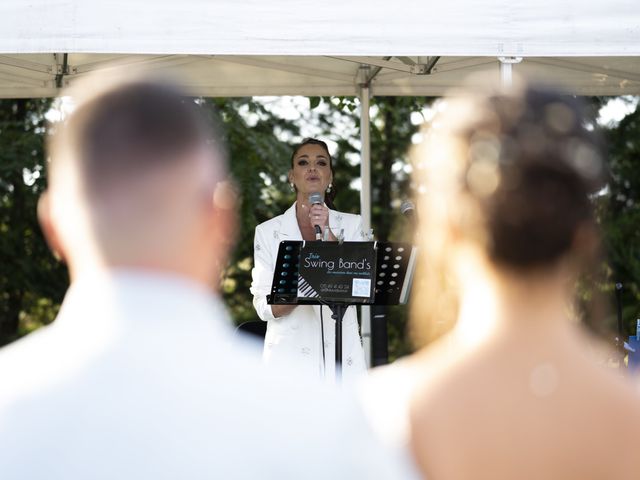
x: 258, y: 47
x: 35, y: 75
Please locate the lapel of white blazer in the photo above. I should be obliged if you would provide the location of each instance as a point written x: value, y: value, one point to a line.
x: 289, y: 229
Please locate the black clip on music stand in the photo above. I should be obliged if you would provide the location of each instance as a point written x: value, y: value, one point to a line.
x: 394, y: 269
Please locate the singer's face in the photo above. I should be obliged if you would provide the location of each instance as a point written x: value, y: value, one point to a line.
x: 311, y: 170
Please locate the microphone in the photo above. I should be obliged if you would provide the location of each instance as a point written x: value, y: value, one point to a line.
x: 316, y: 198
x: 408, y: 210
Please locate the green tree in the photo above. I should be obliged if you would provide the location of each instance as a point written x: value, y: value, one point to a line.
x: 259, y: 162
x: 620, y: 214
x: 391, y: 138
x: 32, y: 282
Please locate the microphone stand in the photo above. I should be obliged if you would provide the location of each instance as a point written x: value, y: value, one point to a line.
x: 622, y: 347
x: 619, y: 339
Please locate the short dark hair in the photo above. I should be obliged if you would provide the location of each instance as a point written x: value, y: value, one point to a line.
x: 130, y: 129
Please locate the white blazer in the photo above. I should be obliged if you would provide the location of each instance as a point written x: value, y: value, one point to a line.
x: 296, y: 338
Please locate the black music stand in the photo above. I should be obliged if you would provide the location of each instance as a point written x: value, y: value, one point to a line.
x: 392, y: 277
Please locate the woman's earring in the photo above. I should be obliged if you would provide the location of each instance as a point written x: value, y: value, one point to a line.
x: 293, y: 187
x: 329, y: 187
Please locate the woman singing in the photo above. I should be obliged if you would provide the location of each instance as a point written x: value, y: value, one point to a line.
x: 304, y: 335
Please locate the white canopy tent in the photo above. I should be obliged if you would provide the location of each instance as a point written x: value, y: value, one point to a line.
x: 334, y: 47
x: 258, y: 47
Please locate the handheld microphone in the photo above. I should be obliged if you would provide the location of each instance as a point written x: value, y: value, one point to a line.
x: 314, y: 199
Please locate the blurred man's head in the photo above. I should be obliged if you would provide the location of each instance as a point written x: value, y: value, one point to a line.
x: 137, y: 179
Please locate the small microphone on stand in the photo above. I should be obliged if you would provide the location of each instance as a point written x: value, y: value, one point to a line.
x: 314, y: 199
x: 619, y: 340
x: 408, y: 210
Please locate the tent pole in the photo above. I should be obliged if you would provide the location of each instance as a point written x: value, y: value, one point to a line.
x: 365, y: 204
x: 365, y: 159
x: 506, y: 70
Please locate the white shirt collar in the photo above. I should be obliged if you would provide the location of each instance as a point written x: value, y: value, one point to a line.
x: 125, y: 299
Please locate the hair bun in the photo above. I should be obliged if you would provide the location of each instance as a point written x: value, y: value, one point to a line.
x: 528, y: 161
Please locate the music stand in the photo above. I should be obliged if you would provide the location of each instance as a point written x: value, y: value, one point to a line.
x: 391, y: 279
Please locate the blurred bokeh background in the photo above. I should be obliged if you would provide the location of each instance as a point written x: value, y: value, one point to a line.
x: 259, y: 135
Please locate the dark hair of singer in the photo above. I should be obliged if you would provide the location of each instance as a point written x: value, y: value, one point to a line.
x: 330, y: 196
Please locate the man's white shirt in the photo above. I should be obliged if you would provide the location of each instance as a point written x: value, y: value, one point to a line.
x: 140, y: 376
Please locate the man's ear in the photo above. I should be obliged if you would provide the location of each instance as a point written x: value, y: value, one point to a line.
x: 48, y: 226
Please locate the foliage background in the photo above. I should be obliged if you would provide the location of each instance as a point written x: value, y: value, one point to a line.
x: 259, y: 139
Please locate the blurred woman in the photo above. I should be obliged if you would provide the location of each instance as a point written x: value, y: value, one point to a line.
x: 512, y: 390
x: 305, y: 335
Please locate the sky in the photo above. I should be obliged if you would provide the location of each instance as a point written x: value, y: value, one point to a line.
x: 616, y: 109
